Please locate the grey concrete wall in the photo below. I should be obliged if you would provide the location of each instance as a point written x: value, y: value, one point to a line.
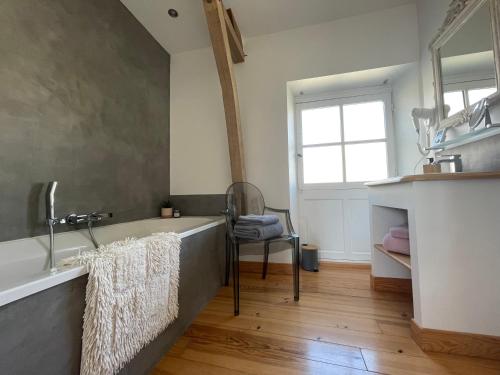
x: 41, y: 334
x: 483, y: 155
x: 480, y: 156
x: 84, y: 99
x: 200, y: 204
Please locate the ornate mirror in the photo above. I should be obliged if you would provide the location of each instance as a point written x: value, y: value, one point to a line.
x: 466, y: 61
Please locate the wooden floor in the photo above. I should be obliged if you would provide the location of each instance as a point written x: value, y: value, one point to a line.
x: 339, y: 326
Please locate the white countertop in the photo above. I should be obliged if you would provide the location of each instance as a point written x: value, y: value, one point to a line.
x: 436, y: 177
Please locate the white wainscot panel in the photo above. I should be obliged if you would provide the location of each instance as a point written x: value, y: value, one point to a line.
x: 357, y: 229
x: 323, y: 225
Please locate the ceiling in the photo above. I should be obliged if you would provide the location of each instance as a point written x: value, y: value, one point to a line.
x: 349, y: 81
x: 254, y: 17
x: 479, y: 63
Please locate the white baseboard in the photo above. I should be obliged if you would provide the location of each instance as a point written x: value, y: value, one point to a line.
x: 341, y: 256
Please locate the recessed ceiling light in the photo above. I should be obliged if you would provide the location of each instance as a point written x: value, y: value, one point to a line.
x: 173, y: 13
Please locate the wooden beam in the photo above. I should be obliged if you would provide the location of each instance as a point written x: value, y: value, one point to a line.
x: 215, y: 15
x: 235, y: 24
x: 235, y: 41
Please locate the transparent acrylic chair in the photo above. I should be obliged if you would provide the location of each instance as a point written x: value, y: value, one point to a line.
x: 243, y: 198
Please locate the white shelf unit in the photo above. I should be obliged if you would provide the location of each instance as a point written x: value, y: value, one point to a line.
x: 382, y: 219
x: 455, y: 258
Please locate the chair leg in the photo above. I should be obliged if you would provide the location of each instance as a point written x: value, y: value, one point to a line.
x: 296, y: 265
x: 236, y: 278
x: 266, y: 259
x: 228, y: 259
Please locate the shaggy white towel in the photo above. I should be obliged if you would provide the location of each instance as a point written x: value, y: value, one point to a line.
x: 132, y: 296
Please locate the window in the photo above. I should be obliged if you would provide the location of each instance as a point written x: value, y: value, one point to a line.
x: 458, y: 100
x: 455, y: 100
x: 344, y: 141
x: 476, y: 95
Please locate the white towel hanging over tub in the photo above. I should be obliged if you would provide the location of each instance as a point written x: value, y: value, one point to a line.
x: 132, y: 296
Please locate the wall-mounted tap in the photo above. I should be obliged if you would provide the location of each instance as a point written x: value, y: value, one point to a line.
x: 89, y: 219
x: 71, y: 219
x: 52, y: 220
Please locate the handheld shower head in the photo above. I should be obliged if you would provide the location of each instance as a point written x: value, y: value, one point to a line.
x: 50, y: 199
x: 51, y: 221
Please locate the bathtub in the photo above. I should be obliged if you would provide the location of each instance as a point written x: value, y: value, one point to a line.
x: 41, y: 315
x: 24, y: 262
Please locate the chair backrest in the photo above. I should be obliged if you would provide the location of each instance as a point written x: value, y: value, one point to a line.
x: 243, y: 198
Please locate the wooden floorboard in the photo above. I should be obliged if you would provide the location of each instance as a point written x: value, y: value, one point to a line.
x: 339, y: 326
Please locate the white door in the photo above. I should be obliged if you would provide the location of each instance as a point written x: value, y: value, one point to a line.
x: 342, y: 143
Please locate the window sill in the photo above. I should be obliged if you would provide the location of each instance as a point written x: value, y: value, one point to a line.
x: 334, y: 186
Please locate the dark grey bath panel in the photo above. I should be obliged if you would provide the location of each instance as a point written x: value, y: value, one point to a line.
x: 41, y: 334
x: 202, y: 275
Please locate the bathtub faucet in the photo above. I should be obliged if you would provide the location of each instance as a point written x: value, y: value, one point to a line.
x: 89, y: 219
x: 52, y: 220
x: 71, y: 219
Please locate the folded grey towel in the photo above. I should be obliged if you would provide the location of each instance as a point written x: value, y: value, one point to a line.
x: 258, y: 232
x: 257, y: 219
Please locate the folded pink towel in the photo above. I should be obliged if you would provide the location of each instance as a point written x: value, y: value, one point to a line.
x: 396, y: 245
x: 399, y: 232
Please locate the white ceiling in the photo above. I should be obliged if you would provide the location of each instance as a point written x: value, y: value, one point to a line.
x: 349, y: 81
x: 254, y: 17
x: 479, y: 63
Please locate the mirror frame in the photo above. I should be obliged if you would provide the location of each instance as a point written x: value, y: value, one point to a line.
x: 459, y: 12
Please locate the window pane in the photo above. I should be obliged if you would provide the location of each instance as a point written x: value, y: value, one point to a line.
x: 476, y: 95
x: 455, y: 100
x: 322, y: 164
x: 321, y: 125
x: 366, y: 161
x: 364, y: 121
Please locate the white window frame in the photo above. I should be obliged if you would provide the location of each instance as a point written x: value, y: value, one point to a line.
x: 467, y: 82
x: 465, y: 87
x: 340, y: 99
